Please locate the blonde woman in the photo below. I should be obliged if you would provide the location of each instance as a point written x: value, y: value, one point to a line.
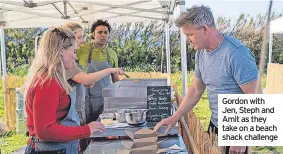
x: 78, y: 78
x: 77, y: 29
x: 52, y: 120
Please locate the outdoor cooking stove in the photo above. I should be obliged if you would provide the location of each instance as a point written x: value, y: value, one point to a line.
x: 126, y: 94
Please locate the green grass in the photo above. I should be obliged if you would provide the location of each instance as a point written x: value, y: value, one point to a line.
x: 10, y: 141
x: 267, y: 150
x: 2, y: 113
x: 263, y: 81
x: 201, y: 110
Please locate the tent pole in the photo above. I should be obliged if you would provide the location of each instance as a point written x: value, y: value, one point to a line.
x: 1, y: 56
x: 270, y: 47
x: 163, y: 44
x: 65, y: 8
x: 183, y: 55
x: 2, y: 24
x: 264, y: 50
x: 3, y: 60
x: 3, y: 53
x: 168, y: 48
x: 3, y: 68
x: 36, y: 44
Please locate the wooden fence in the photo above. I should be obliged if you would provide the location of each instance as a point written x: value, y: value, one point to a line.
x: 274, y: 80
x: 195, y: 137
x: 11, y: 83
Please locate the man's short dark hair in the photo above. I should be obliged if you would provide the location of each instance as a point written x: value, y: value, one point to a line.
x: 100, y: 23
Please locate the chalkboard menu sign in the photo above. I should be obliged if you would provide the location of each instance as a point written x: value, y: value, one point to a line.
x: 158, y: 103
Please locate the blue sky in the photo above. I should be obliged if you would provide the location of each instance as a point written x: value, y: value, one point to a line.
x: 233, y: 8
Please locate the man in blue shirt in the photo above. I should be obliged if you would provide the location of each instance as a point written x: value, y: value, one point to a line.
x: 223, y: 65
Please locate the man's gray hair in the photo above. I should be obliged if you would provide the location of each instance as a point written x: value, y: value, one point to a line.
x: 196, y: 16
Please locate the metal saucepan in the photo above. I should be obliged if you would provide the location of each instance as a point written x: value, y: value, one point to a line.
x: 136, y: 116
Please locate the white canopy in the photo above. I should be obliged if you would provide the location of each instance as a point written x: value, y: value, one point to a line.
x: 276, y: 26
x: 45, y: 13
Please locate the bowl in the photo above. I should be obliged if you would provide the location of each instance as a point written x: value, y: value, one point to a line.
x: 136, y: 116
x: 106, y: 118
x: 120, y: 115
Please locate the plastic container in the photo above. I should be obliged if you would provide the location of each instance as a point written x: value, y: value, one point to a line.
x: 106, y: 118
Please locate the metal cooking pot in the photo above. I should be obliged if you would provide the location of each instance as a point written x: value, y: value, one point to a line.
x: 136, y: 116
x: 120, y: 115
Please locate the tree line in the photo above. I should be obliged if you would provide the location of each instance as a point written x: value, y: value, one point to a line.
x: 141, y: 46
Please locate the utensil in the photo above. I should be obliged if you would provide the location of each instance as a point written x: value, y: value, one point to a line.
x: 127, y: 76
x: 176, y: 151
x: 120, y: 115
x: 136, y: 116
x: 117, y: 126
x: 163, y: 140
